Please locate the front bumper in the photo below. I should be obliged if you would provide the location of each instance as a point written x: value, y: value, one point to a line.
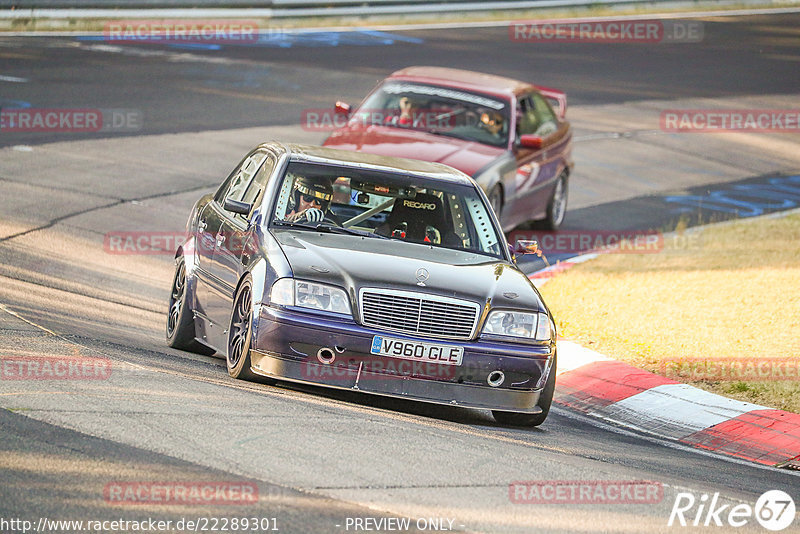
x: 286, y: 344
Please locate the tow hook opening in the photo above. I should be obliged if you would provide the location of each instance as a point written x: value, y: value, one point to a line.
x: 326, y: 355
x: 495, y: 378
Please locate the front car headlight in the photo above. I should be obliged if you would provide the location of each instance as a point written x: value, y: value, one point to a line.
x: 523, y: 325
x: 311, y: 295
x: 282, y: 292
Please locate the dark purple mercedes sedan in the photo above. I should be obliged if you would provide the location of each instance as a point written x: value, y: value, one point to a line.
x: 367, y: 273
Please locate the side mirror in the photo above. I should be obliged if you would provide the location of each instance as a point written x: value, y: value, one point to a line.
x: 342, y: 108
x: 236, y: 206
x: 528, y: 247
x: 531, y: 141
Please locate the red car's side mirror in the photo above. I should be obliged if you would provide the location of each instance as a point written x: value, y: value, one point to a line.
x: 342, y: 108
x: 527, y: 247
x: 531, y: 141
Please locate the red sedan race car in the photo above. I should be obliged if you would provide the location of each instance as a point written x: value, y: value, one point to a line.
x: 510, y: 136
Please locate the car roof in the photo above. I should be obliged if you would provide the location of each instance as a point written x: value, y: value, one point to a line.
x: 333, y: 156
x: 464, y: 79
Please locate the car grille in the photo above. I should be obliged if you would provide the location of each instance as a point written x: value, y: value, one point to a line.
x: 418, y: 313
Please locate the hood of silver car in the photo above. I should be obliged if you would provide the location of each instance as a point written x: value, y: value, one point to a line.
x: 353, y: 263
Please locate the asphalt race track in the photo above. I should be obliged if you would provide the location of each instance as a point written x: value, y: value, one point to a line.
x: 317, y: 459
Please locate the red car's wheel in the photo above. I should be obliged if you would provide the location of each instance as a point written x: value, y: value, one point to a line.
x: 557, y: 207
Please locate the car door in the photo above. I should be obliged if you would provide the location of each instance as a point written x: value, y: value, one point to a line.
x: 232, y: 234
x: 210, y: 287
x: 236, y: 244
x: 208, y: 225
x: 537, y: 168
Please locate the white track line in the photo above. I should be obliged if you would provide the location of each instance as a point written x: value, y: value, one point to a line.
x: 12, y: 79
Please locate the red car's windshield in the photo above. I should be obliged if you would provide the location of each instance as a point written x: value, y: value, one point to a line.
x: 439, y: 110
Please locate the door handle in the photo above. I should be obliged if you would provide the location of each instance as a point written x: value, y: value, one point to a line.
x: 220, y: 239
x: 202, y: 226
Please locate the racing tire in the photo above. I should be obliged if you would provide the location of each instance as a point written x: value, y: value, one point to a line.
x: 557, y: 206
x: 528, y: 419
x: 240, y: 333
x: 180, y: 319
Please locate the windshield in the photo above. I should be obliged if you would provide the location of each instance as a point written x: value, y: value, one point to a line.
x: 440, y: 110
x: 386, y: 205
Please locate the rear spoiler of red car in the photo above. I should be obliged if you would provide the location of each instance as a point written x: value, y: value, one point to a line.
x: 557, y: 99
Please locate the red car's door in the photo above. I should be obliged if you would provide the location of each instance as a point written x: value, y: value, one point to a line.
x: 537, y: 167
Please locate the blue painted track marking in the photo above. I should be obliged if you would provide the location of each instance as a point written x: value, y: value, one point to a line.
x: 744, y: 200
x: 14, y: 104
x: 277, y: 38
x: 196, y: 46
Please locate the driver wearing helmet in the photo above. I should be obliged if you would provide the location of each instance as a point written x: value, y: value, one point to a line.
x: 492, y: 122
x: 311, y: 198
x: 408, y: 113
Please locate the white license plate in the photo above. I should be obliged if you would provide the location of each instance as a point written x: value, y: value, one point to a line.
x: 417, y: 350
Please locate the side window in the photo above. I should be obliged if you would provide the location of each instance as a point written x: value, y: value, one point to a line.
x: 242, y: 179
x: 528, y: 120
x: 236, y: 184
x: 547, y: 119
x: 536, y: 117
x: 254, y: 191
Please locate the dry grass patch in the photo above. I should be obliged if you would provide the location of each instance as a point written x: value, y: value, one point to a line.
x: 734, y: 294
